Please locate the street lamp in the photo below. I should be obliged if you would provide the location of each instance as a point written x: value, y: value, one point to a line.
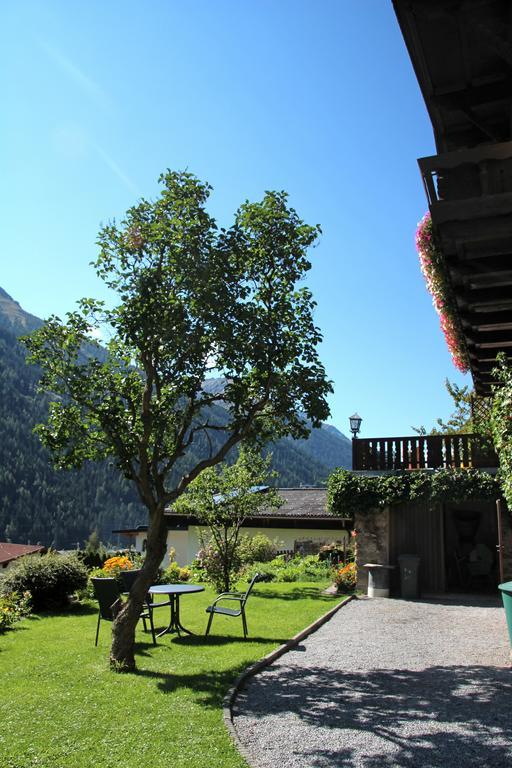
x: 355, y: 424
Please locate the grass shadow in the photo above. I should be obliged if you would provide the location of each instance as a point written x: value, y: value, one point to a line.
x: 209, y: 688
x: 193, y: 641
x: 71, y: 611
x: 298, y: 593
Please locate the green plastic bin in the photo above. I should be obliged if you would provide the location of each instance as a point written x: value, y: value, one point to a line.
x: 506, y: 596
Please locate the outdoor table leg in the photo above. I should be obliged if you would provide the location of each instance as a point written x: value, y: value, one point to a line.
x: 175, y: 624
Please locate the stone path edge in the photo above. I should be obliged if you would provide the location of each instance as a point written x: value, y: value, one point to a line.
x: 266, y: 661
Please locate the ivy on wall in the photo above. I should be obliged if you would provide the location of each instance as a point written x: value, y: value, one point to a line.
x: 501, y: 423
x: 348, y: 492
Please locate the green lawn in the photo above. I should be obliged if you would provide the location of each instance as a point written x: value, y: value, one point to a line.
x: 62, y: 707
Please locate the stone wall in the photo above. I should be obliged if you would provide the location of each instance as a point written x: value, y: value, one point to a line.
x: 372, y: 526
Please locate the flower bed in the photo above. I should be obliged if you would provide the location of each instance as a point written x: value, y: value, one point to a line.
x: 13, y: 607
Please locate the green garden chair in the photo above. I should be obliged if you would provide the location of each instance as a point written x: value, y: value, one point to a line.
x: 241, y: 597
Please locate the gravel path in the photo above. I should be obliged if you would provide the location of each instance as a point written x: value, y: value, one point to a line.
x: 386, y: 683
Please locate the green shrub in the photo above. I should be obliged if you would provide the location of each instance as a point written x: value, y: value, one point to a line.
x: 210, y: 562
x: 335, y: 553
x: 299, y: 568
x: 13, y: 607
x: 256, y: 549
x: 50, y: 579
x: 173, y: 574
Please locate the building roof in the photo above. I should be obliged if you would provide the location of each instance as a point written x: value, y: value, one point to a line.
x: 299, y: 504
x: 9, y: 552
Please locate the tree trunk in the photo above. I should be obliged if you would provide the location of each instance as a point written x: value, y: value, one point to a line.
x: 122, y: 658
x: 227, y: 561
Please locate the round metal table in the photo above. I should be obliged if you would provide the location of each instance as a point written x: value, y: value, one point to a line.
x: 174, y: 591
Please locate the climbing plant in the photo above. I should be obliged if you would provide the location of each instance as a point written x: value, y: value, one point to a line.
x: 348, y: 492
x: 501, y: 422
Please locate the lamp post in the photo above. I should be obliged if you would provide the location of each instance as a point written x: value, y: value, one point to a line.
x: 355, y: 425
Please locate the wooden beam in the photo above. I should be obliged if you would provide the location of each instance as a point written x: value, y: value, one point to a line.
x: 494, y: 298
x: 473, y: 209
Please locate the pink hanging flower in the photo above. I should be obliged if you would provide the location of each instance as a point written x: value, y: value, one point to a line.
x: 436, y: 279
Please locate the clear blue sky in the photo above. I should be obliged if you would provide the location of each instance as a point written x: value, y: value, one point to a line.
x: 316, y: 97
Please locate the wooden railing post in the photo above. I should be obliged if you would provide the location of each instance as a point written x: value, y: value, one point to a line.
x: 458, y: 451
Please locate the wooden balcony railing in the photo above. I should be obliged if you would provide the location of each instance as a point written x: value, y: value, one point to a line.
x: 470, y: 173
x: 421, y: 452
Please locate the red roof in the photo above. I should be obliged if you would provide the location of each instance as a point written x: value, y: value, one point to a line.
x: 10, y: 552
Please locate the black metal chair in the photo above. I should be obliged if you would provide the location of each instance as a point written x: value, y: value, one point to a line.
x: 107, y: 592
x: 241, y: 597
x: 128, y: 578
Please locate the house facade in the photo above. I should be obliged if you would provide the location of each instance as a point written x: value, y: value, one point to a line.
x: 302, y: 524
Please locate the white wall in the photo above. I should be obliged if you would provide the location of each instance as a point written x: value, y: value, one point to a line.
x: 187, y: 544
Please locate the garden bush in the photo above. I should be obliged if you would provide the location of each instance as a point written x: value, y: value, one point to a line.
x: 209, y: 562
x: 299, y: 568
x: 335, y: 552
x: 173, y: 574
x: 51, y: 579
x: 13, y: 606
x: 256, y: 549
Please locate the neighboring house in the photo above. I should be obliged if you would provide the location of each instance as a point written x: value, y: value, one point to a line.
x: 11, y: 552
x: 301, y: 524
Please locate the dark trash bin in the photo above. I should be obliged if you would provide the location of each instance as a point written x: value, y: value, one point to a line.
x: 506, y: 596
x: 409, y: 567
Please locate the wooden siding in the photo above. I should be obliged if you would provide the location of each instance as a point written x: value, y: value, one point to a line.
x: 417, y: 529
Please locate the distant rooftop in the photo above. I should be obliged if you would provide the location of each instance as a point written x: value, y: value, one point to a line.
x: 299, y: 504
x: 10, y: 552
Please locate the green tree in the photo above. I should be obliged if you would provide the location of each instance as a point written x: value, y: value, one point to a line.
x: 192, y: 299
x: 93, y: 543
x: 460, y: 420
x: 501, y: 422
x: 222, y: 499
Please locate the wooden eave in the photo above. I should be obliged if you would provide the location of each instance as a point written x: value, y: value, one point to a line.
x: 462, y: 58
x: 461, y: 53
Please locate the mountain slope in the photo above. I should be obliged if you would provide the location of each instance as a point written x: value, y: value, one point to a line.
x: 38, y: 503
x: 13, y: 318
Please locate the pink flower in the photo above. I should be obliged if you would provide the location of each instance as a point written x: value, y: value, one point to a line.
x: 433, y: 270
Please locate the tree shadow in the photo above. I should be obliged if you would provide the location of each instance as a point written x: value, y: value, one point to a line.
x: 68, y: 612
x: 298, y: 593
x: 440, y: 717
x: 209, y: 688
x: 222, y: 640
x: 463, y: 601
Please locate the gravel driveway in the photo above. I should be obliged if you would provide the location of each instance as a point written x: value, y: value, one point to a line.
x: 386, y: 683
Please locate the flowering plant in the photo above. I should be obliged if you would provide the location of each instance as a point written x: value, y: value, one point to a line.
x: 13, y: 607
x: 114, y: 565
x: 345, y: 577
x: 436, y: 278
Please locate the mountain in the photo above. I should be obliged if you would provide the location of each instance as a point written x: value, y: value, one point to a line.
x: 38, y: 503
x: 13, y: 318
x: 306, y: 461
